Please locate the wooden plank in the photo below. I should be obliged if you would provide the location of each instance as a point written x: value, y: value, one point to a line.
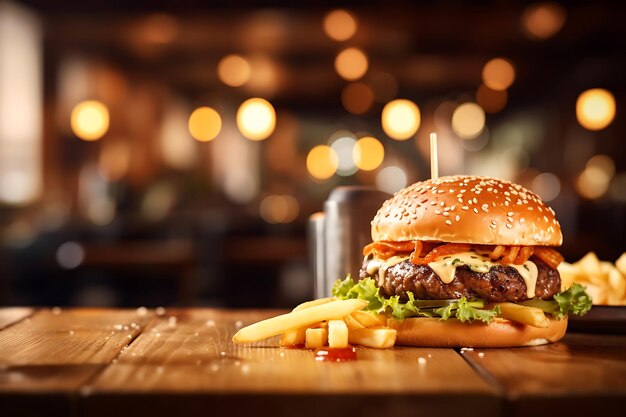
x: 12, y: 315
x: 46, y: 358
x: 189, y: 362
x: 582, y: 375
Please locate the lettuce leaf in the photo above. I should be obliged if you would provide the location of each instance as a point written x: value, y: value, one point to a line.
x: 573, y: 301
x: 366, y: 289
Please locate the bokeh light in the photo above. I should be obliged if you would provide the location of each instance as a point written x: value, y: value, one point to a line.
x: 368, y: 153
x: 70, y: 255
x: 592, y: 183
x: 340, y: 25
x: 90, y: 120
x: 468, y: 120
x: 543, y: 20
x: 114, y: 160
x: 546, y: 185
x: 391, y: 179
x: 595, y: 109
x: 602, y: 162
x: 357, y: 98
x: 234, y: 70
x: 351, y: 64
x: 400, y: 119
x: 256, y: 119
x: 322, y: 162
x: 279, y: 209
x: 205, y: 124
x: 498, y: 74
x: 344, y: 148
x: 492, y: 101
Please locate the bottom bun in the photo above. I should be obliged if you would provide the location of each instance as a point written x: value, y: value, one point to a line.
x: 433, y: 332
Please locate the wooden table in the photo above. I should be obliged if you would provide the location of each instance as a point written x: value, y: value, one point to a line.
x: 97, y: 362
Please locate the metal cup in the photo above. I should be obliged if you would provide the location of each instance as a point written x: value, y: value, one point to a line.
x: 337, y: 235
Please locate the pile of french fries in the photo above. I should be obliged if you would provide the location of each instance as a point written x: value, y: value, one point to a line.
x: 325, y: 322
x: 605, y: 281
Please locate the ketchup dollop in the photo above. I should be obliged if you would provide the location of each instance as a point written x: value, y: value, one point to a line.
x: 335, y: 354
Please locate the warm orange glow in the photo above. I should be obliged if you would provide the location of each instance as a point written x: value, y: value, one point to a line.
x: 592, y: 183
x: 90, y: 120
x: 368, y: 153
x: 604, y: 163
x: 492, y: 101
x: 595, y: 109
x: 279, y: 209
x: 400, y: 119
x: 114, y: 160
x: 498, y: 74
x: 205, y: 124
x: 543, y: 20
x: 234, y: 70
x: 322, y: 162
x: 256, y: 119
x: 340, y: 25
x: 468, y: 120
x: 546, y: 185
x: 357, y: 98
x: 351, y: 64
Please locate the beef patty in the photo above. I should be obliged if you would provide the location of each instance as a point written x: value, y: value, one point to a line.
x: 501, y: 283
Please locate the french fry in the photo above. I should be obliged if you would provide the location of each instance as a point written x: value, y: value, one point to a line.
x: 337, y: 334
x: 590, y: 264
x: 313, y: 303
x: 380, y: 338
x: 605, y: 281
x: 293, y: 337
x: 316, y: 338
x: 369, y: 319
x: 352, y: 323
x: 528, y: 315
x: 294, y: 320
x: 621, y: 264
x: 597, y: 293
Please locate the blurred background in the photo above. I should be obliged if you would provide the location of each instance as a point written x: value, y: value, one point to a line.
x: 170, y: 153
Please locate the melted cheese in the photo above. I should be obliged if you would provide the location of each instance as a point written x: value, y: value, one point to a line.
x: 445, y: 268
x: 377, y: 265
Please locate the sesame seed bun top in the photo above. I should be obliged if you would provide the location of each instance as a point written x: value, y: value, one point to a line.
x: 466, y: 209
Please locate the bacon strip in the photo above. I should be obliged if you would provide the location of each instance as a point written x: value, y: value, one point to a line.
x: 523, y: 255
x: 424, y: 252
x: 497, y: 252
x: 548, y: 256
x: 510, y: 255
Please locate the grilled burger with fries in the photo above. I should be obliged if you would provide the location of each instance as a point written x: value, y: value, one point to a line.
x: 466, y: 261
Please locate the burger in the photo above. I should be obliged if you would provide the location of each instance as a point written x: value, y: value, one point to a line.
x: 466, y: 261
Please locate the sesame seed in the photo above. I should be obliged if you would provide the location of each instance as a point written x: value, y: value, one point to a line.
x: 493, y: 222
x: 465, y: 207
x: 506, y: 203
x: 510, y: 219
x: 485, y: 209
x: 445, y: 213
x: 474, y: 200
x: 510, y: 213
x: 493, y: 226
x: 437, y: 211
x: 475, y: 210
x: 441, y: 203
x: 509, y: 225
x: 522, y: 220
x: 448, y: 222
x: 457, y: 218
